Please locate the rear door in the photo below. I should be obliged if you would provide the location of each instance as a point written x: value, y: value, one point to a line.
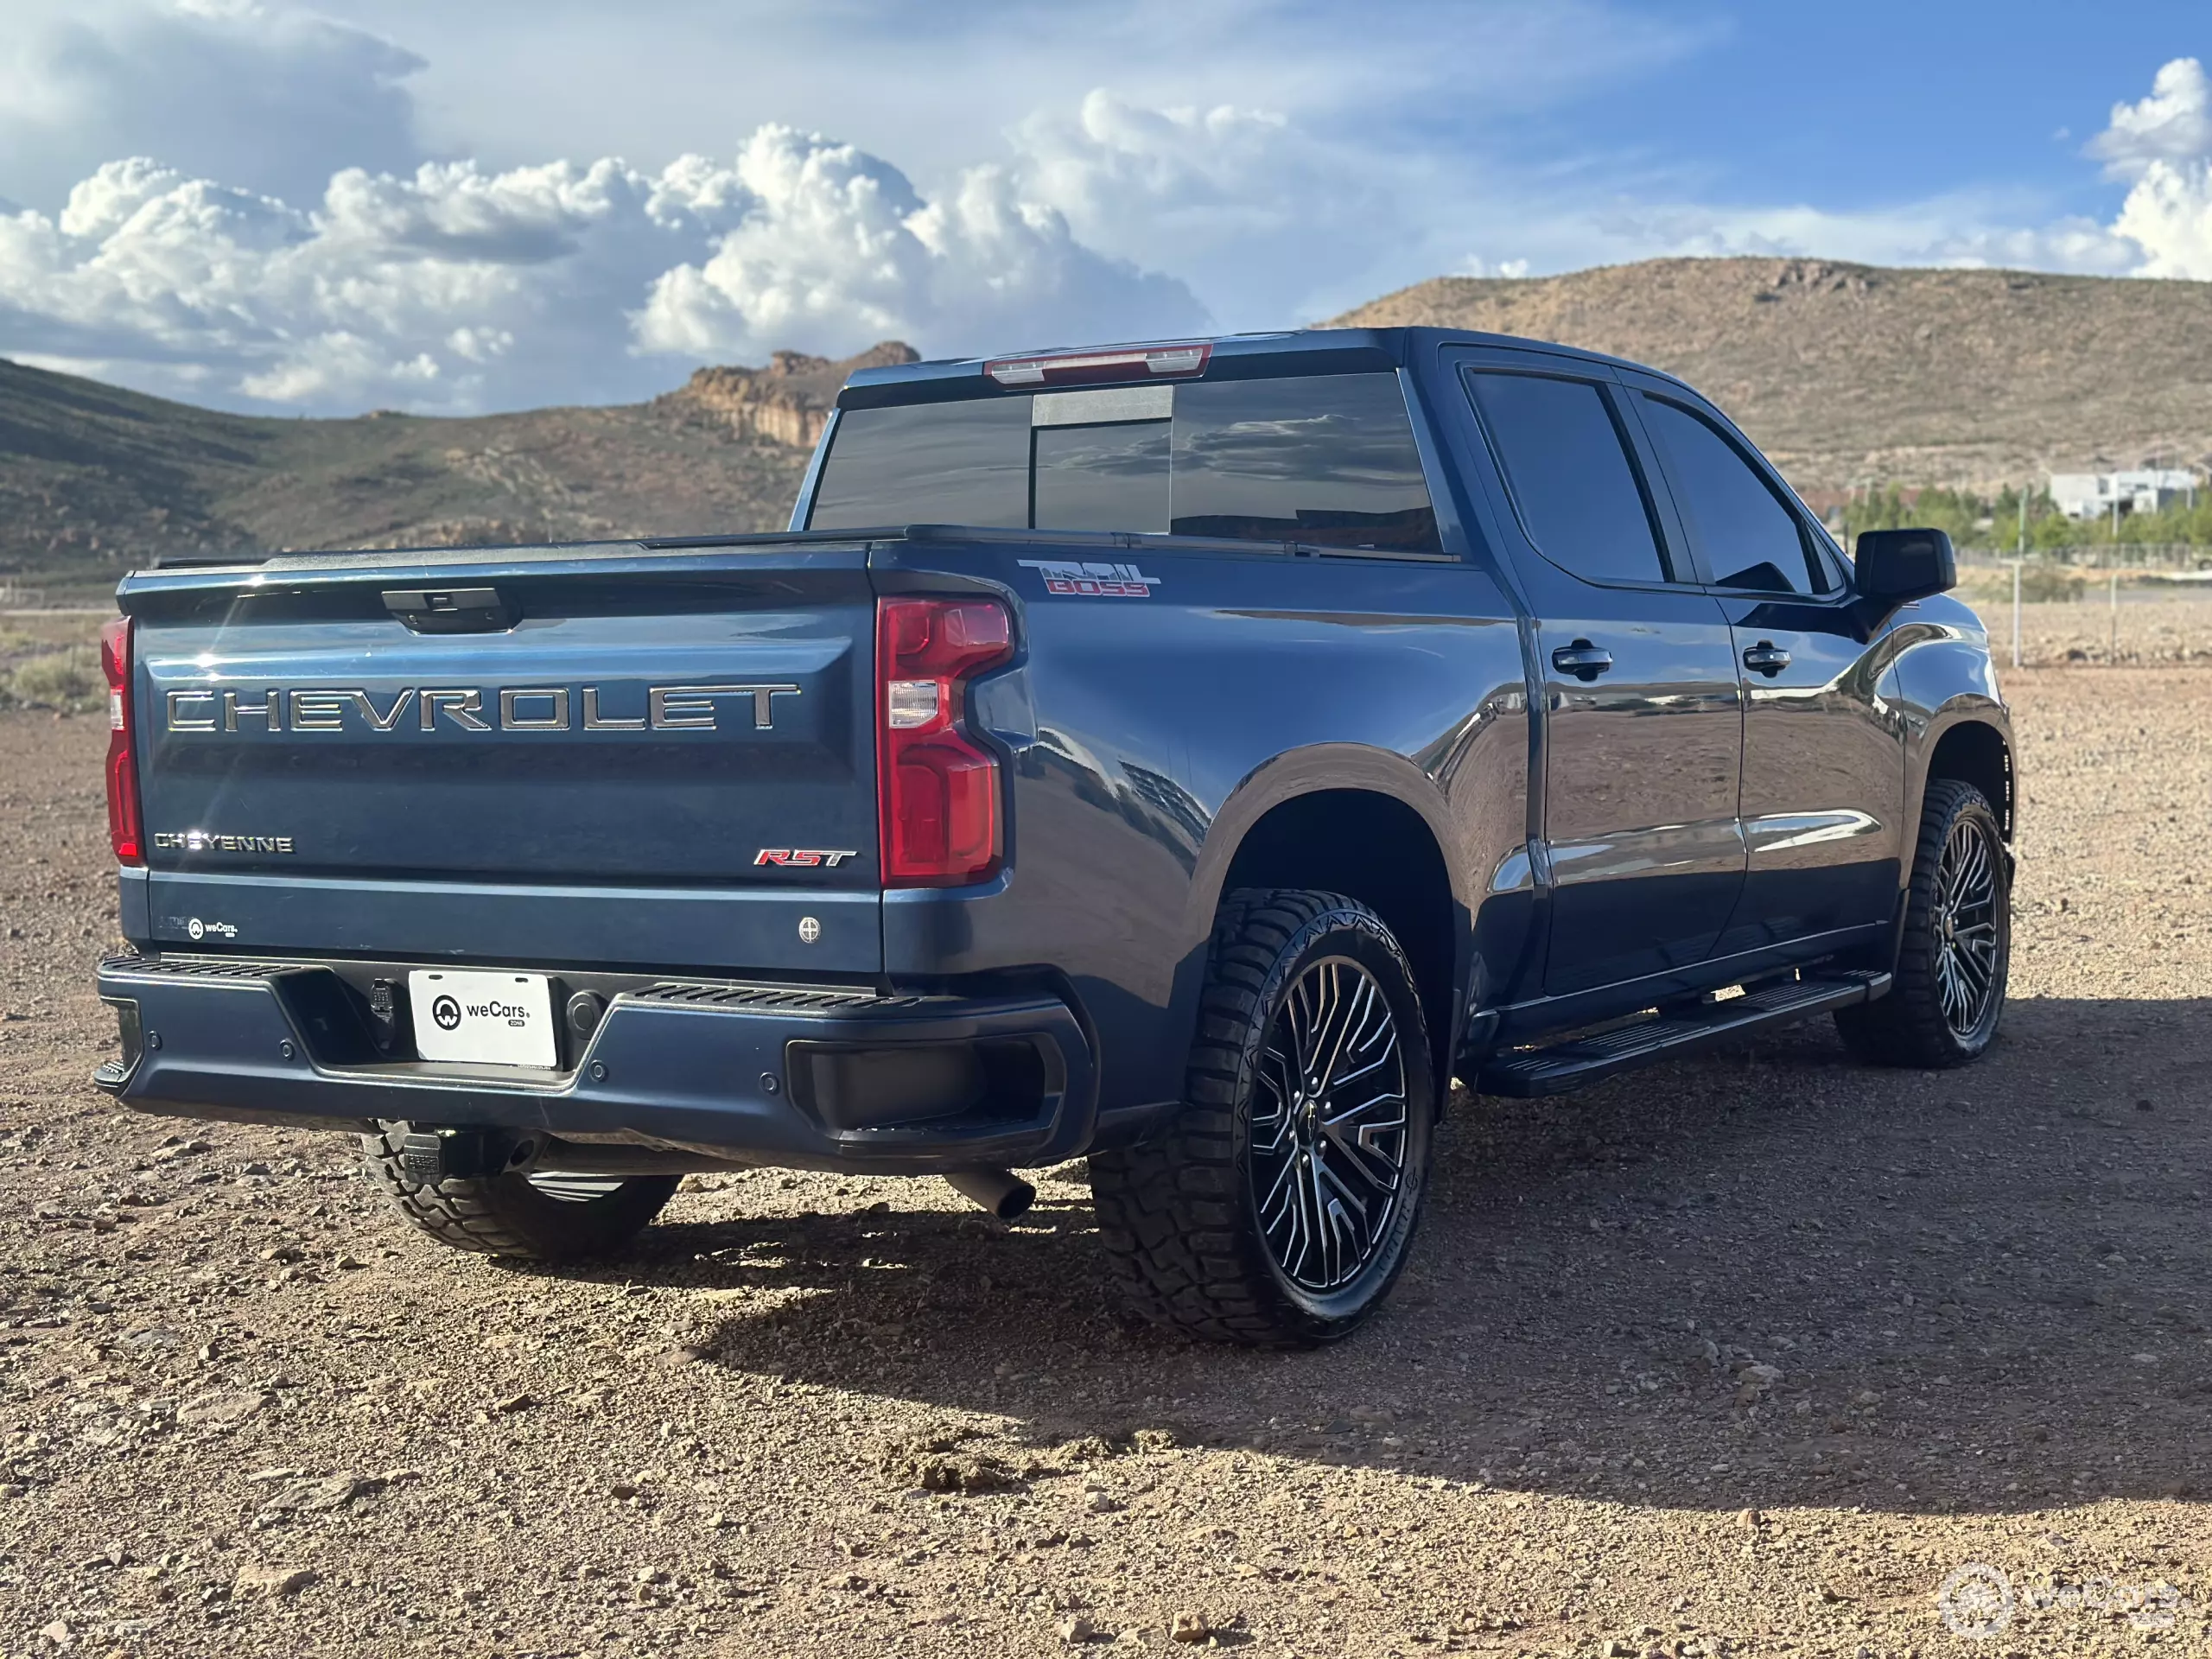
x: 1642, y: 724
x: 1824, y: 744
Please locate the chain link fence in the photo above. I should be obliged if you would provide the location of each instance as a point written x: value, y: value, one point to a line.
x: 2049, y: 612
x: 2127, y: 556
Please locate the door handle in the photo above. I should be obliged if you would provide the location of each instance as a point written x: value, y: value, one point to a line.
x: 1766, y: 657
x: 1583, y: 660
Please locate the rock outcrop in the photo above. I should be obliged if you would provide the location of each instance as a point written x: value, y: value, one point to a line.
x: 786, y: 402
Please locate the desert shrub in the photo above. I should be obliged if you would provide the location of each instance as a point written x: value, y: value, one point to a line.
x: 2044, y: 584
x: 62, y: 679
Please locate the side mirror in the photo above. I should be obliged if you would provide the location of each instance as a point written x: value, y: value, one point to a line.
x: 1898, y: 566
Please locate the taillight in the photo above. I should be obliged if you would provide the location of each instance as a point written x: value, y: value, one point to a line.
x: 124, y: 832
x: 938, y: 792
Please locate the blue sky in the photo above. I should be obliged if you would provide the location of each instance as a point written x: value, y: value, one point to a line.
x: 266, y: 204
x: 1880, y: 100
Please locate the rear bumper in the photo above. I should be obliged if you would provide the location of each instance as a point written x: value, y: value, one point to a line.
x: 802, y: 1076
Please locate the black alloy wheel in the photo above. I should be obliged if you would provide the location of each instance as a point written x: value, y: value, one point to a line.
x: 1966, y: 927
x: 1329, y: 1125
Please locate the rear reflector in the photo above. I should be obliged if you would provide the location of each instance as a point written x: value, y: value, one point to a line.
x: 124, y: 832
x: 1090, y: 368
x: 938, y: 792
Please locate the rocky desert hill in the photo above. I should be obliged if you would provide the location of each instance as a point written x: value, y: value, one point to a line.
x: 1848, y: 374
x: 94, y: 480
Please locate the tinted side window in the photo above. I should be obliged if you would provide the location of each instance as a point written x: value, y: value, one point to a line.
x: 1569, y: 472
x: 1327, y: 458
x: 1747, y: 537
x: 964, y: 463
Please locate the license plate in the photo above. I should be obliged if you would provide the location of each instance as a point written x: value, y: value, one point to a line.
x: 489, y: 1019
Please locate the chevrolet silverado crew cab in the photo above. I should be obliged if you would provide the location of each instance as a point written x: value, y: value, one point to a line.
x: 1191, y: 757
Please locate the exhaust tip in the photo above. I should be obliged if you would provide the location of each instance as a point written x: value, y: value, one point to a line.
x: 1005, y: 1194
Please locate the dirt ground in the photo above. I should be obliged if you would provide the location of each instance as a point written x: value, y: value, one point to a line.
x: 1742, y: 1356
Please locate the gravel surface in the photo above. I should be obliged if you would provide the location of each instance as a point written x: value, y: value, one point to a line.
x: 1742, y: 1356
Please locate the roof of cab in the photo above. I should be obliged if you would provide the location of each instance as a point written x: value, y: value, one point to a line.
x: 1234, y: 356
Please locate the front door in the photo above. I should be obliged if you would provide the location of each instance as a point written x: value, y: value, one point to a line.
x: 1642, y: 709
x: 1823, y: 790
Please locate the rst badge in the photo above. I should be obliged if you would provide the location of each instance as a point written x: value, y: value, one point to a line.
x: 1089, y: 580
x: 803, y: 858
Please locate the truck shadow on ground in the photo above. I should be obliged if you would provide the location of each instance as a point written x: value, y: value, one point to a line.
x: 1762, y: 1278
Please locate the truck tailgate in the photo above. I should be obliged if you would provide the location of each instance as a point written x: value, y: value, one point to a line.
x: 611, y: 739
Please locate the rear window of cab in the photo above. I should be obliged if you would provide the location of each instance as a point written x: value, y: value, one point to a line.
x: 1327, y: 460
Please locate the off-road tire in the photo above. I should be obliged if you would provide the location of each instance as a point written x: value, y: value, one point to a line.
x: 1178, y: 1215
x: 506, y: 1215
x: 1909, y: 1028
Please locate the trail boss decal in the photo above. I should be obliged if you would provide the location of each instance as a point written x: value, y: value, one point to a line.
x: 1092, y: 580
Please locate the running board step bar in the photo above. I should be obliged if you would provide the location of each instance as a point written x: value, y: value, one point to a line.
x: 1581, y: 1061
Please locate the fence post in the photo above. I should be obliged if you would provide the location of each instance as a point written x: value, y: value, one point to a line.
x: 2111, y: 651
x: 2017, y: 566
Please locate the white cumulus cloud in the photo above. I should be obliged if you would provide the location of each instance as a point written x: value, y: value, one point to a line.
x: 404, y: 290
x: 452, y: 288
x: 2173, y: 125
x: 2168, y: 214
x: 837, y: 245
x: 1247, y: 202
x: 2164, y: 144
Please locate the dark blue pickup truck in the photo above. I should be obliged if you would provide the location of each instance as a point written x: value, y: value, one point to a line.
x: 1191, y: 756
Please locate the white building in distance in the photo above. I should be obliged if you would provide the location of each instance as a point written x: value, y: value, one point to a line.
x: 2146, y: 489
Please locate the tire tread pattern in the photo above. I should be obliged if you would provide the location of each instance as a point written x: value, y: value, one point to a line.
x: 503, y: 1215
x: 1171, y: 1218
x: 1907, y: 1027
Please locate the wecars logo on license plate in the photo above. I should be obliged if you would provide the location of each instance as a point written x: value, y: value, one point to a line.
x: 484, y: 1019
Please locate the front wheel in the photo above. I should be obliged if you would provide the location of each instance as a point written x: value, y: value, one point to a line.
x: 550, y: 1218
x: 1278, y: 1206
x: 1953, y: 962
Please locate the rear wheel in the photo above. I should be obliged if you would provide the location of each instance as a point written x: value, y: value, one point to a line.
x: 550, y: 1218
x: 1278, y: 1206
x: 1948, y: 994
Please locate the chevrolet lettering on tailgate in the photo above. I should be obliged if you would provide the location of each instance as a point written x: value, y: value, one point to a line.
x: 467, y: 708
